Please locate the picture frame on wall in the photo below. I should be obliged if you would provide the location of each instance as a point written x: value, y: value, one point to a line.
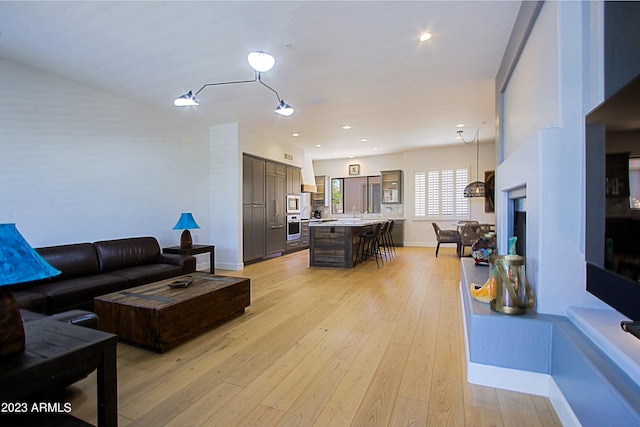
x: 489, y: 186
x: 354, y: 169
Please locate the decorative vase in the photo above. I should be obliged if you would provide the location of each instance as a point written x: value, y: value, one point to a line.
x: 484, y: 248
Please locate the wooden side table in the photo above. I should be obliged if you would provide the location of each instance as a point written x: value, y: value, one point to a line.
x: 195, y: 250
x: 54, y: 351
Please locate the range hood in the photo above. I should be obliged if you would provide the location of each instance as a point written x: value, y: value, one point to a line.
x: 308, y: 177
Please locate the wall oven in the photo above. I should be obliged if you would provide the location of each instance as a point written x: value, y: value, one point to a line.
x: 293, y: 227
x: 293, y: 204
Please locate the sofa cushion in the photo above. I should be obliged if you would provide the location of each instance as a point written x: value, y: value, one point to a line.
x: 74, y: 260
x: 79, y: 292
x: 125, y: 253
x: 143, y: 274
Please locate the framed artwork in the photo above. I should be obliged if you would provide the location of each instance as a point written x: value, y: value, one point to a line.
x: 354, y: 169
x: 489, y: 185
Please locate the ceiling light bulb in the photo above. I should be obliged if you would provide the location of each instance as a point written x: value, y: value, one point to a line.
x: 460, y: 125
x: 284, y: 109
x: 318, y: 145
x: 185, y: 100
x: 295, y: 134
x: 364, y: 140
x: 261, y: 61
x: 346, y: 127
x: 425, y: 36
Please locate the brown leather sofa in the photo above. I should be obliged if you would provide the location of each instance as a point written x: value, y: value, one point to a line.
x: 93, y: 269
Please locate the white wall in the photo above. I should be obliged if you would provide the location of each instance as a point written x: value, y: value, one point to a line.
x: 531, y: 96
x: 420, y: 232
x: 226, y: 196
x: 267, y: 147
x: 79, y: 165
x: 548, y: 87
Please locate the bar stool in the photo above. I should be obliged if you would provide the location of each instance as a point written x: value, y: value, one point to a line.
x: 389, y: 237
x: 381, y: 245
x: 384, y: 240
x: 369, y: 245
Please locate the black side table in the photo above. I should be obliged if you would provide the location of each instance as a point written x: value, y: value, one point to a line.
x: 54, y: 353
x: 194, y: 250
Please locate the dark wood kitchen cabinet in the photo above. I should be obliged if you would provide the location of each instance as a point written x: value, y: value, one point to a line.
x: 398, y: 232
x: 293, y: 180
x: 253, y: 236
x: 276, y: 213
x: 253, y: 177
x: 254, y: 219
x: 391, y: 186
x: 304, y: 234
x: 264, y: 215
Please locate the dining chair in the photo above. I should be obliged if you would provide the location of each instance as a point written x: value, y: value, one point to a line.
x: 446, y: 236
x: 469, y: 234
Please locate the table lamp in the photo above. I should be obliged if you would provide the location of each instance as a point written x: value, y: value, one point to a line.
x: 186, y: 222
x: 19, y: 263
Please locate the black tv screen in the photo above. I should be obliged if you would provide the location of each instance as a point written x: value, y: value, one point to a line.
x: 612, y: 245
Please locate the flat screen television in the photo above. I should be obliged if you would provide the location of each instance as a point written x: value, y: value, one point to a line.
x: 612, y: 238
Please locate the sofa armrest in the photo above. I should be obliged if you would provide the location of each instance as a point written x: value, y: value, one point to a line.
x: 186, y: 262
x: 78, y: 317
x: 74, y: 317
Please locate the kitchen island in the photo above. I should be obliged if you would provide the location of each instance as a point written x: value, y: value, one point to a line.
x: 334, y: 243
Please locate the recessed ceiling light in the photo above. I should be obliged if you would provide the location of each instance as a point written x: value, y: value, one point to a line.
x: 346, y: 127
x: 460, y: 125
x: 425, y: 36
x: 351, y: 157
x: 318, y: 145
x: 375, y: 149
x: 295, y: 134
x: 458, y: 137
x: 364, y: 140
x: 335, y: 154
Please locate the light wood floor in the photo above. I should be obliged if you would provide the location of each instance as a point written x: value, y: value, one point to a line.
x: 323, y: 347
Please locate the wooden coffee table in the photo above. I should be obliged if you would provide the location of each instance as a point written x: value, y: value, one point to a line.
x: 158, y: 317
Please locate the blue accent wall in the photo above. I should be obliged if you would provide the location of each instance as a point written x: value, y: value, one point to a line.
x: 598, y: 392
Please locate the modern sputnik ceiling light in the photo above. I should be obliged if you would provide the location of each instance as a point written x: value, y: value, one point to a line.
x: 260, y: 62
x: 476, y: 188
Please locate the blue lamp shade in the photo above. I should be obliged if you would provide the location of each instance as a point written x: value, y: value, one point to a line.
x: 19, y: 262
x: 186, y: 221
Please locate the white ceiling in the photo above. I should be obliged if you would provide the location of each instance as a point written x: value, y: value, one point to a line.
x: 358, y: 63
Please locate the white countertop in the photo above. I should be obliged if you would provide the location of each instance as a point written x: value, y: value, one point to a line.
x: 346, y: 222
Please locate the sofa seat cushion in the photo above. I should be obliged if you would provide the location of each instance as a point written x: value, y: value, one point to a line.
x: 75, y: 292
x: 124, y: 253
x: 143, y: 274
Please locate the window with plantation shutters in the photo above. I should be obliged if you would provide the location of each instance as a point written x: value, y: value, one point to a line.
x: 433, y: 193
x: 462, y: 203
x: 419, y: 197
x: 440, y: 194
